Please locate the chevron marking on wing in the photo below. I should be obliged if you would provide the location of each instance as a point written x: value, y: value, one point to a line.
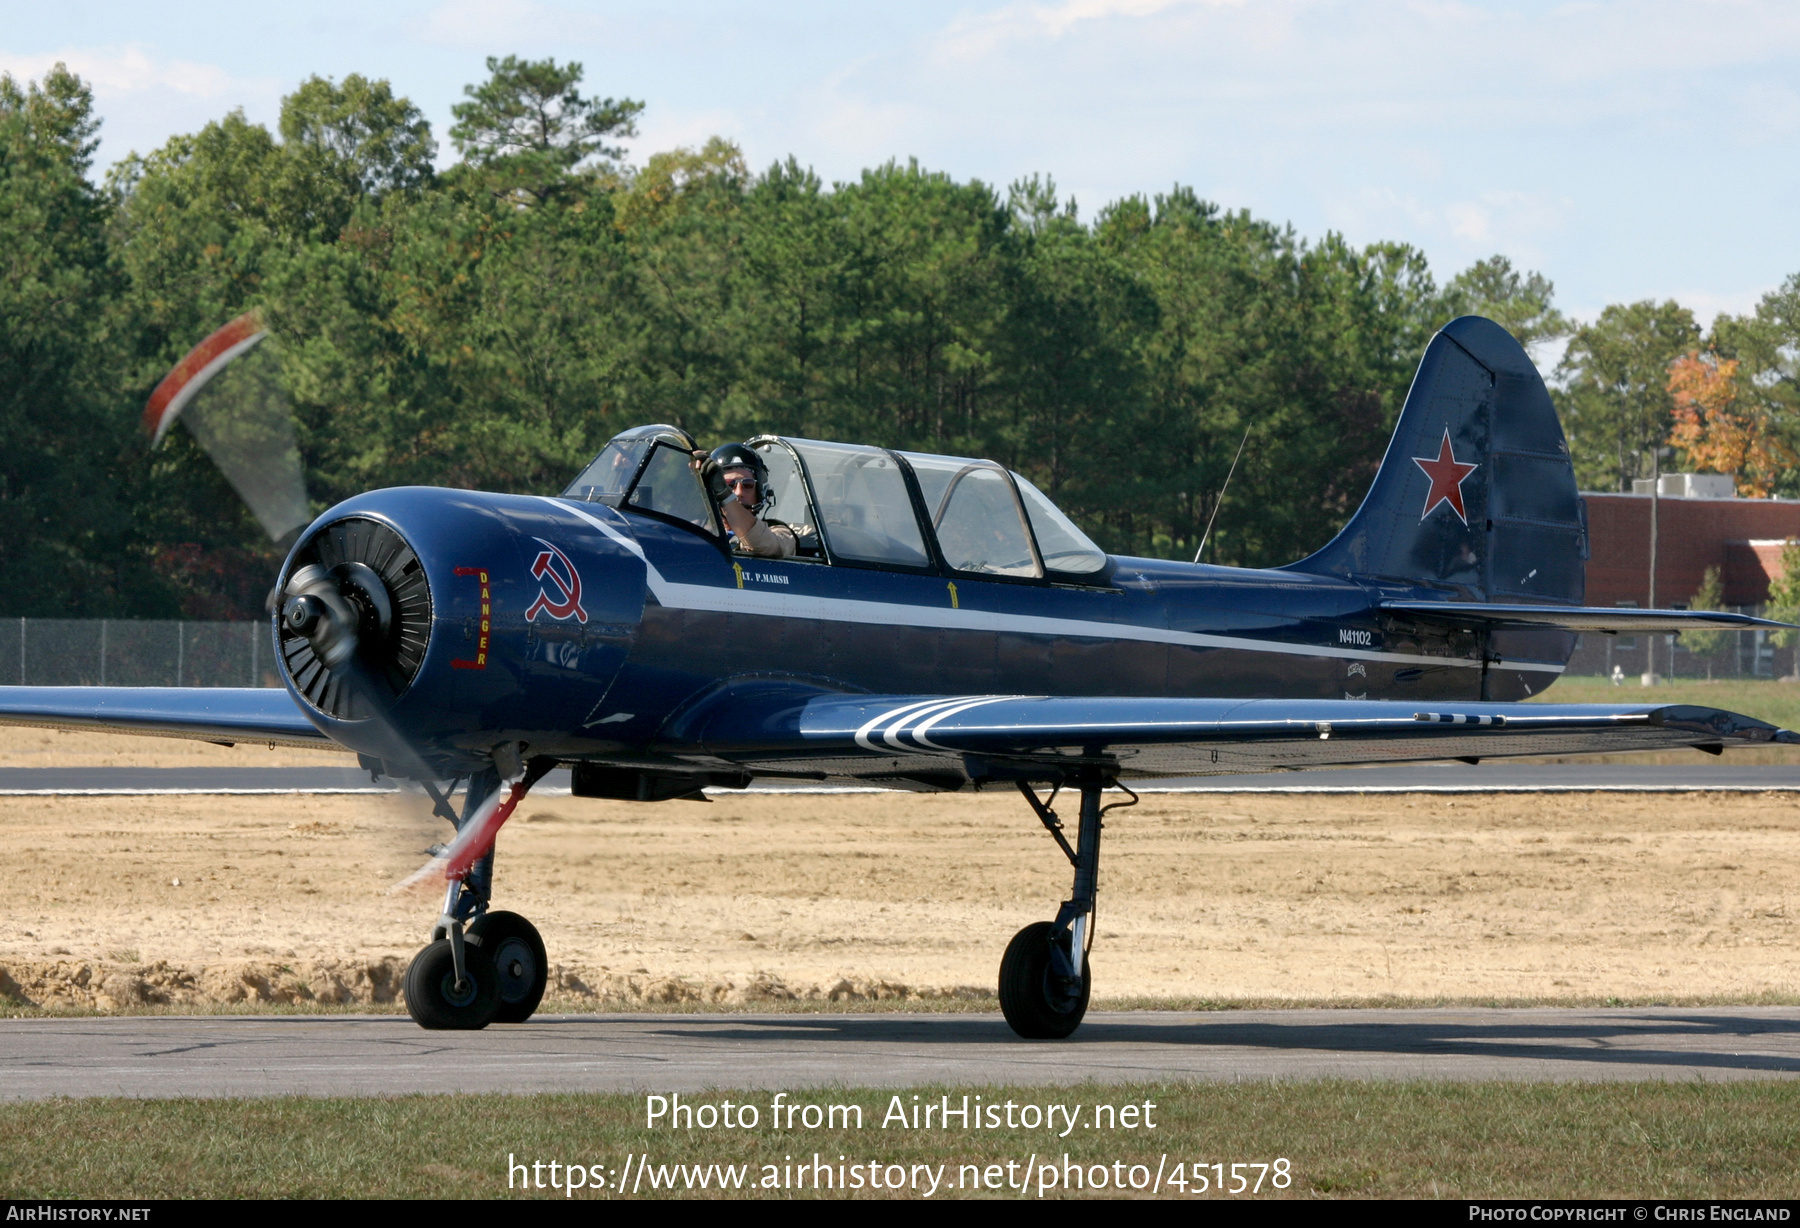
x: 862, y: 735
x: 920, y: 729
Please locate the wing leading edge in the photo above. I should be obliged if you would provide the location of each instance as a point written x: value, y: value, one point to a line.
x: 936, y: 739
x: 213, y: 714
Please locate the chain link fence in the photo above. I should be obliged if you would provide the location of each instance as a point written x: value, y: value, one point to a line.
x: 121, y: 652
x: 128, y: 652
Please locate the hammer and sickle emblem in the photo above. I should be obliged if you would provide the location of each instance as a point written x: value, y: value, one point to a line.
x: 564, y: 579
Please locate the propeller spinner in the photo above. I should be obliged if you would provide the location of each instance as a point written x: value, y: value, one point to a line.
x: 355, y: 618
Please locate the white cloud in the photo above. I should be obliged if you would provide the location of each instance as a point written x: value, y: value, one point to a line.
x: 117, y: 71
x: 143, y: 98
x: 1469, y: 221
x: 1509, y: 217
x: 667, y: 129
x: 979, y: 34
x: 1379, y: 60
x: 1708, y: 305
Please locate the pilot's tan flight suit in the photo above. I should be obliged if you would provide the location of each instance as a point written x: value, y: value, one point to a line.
x: 766, y: 540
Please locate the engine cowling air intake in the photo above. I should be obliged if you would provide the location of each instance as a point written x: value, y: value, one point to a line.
x: 355, y: 617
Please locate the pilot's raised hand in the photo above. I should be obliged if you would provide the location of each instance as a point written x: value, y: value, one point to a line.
x: 714, y: 477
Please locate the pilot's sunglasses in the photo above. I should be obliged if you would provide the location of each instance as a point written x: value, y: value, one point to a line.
x: 734, y: 483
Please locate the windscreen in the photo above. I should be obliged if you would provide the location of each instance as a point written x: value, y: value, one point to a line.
x: 785, y: 498
x: 1065, y: 548
x: 671, y: 486
x: 610, y: 473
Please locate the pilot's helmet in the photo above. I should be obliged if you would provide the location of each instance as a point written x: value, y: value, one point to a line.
x: 743, y: 456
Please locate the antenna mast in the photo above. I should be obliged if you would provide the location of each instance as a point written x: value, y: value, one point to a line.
x: 1218, y: 503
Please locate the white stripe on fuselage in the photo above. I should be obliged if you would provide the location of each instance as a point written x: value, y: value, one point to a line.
x: 888, y: 613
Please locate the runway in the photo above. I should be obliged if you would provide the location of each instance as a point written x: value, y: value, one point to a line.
x: 1709, y: 776
x: 388, y: 1055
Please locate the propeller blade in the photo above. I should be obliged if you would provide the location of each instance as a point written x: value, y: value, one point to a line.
x: 229, y: 393
x: 474, y: 839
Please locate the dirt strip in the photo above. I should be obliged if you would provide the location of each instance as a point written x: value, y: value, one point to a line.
x: 197, y: 901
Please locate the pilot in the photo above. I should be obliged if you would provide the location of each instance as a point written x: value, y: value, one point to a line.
x: 738, y: 481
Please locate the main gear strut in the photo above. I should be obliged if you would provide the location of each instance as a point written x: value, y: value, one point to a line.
x: 1044, y: 975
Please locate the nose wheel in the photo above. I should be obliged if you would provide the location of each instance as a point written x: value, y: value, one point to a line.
x: 517, y: 952
x: 443, y: 999
x: 1045, y: 979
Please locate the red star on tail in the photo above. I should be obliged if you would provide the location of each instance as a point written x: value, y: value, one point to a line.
x: 1446, y: 474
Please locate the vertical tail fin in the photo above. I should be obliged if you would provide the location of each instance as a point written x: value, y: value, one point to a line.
x: 1476, y: 493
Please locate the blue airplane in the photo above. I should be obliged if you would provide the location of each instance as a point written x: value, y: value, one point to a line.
x: 940, y: 626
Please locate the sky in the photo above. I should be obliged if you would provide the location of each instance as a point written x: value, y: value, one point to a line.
x: 1626, y: 149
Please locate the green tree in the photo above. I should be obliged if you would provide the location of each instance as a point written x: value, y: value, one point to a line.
x: 65, y: 432
x: 228, y: 219
x: 1521, y: 303
x: 527, y: 127
x: 1311, y: 345
x: 1783, y: 604
x: 1766, y: 345
x: 490, y: 327
x: 382, y: 143
x: 1614, y: 397
x: 1709, y: 596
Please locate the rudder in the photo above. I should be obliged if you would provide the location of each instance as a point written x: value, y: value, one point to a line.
x: 1476, y: 493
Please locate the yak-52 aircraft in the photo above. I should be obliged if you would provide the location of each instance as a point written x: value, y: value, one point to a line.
x: 943, y: 626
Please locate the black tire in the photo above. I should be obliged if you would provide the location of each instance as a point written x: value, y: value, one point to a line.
x: 1033, y: 1007
x: 432, y: 997
x: 516, y: 950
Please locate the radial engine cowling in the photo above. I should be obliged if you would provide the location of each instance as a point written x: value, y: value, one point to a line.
x: 460, y: 621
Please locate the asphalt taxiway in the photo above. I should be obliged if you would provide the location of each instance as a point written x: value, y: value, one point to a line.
x: 370, y: 1055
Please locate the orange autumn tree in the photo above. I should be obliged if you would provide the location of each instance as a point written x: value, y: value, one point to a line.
x: 1717, y: 430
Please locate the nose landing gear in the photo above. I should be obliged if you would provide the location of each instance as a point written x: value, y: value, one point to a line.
x: 495, y: 971
x: 1045, y: 980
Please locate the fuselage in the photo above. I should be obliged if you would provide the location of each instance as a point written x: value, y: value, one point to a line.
x: 580, y: 629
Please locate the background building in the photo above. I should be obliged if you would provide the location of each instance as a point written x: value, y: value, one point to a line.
x: 1700, y: 524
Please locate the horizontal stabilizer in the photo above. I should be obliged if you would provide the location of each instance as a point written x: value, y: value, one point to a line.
x: 1620, y: 620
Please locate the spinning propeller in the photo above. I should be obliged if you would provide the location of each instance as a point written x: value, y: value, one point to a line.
x: 228, y: 392
x: 355, y: 613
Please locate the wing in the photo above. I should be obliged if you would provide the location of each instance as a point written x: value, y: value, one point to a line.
x: 948, y: 741
x: 211, y: 714
x: 1610, y: 619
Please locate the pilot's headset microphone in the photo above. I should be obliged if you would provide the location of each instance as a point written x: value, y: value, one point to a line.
x: 736, y: 456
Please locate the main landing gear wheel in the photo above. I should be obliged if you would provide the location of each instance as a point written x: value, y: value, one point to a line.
x: 512, y: 944
x: 1038, y: 1003
x: 437, y: 1000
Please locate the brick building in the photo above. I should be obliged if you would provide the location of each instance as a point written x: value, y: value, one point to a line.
x: 1743, y: 538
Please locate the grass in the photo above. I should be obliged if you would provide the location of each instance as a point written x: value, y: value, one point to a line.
x: 1763, y: 698
x: 1451, y: 1140
x: 1775, y: 702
